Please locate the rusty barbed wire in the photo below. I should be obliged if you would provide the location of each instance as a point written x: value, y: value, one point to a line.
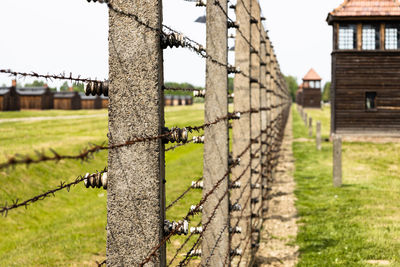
x: 63, y: 185
x: 178, y: 145
x: 217, y: 3
x: 216, y: 244
x: 182, y: 246
x: 167, y: 88
x: 182, y: 195
x: 216, y: 207
x: 86, y: 153
x: 197, y: 207
x: 50, y: 77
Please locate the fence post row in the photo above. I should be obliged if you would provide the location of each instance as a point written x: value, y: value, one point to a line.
x: 264, y: 116
x: 216, y: 146
x: 255, y: 96
x: 318, y: 135
x: 241, y: 133
x: 337, y: 160
x: 135, y: 199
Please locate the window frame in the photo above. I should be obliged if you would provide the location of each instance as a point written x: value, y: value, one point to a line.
x: 393, y: 25
x: 375, y: 96
x: 347, y: 26
x: 377, y: 36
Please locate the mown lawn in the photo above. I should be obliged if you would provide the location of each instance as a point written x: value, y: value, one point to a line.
x: 69, y: 229
x: 357, y: 224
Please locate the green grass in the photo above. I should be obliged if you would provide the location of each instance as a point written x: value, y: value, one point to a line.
x: 322, y: 115
x: 47, y: 113
x: 69, y: 229
x: 351, y: 225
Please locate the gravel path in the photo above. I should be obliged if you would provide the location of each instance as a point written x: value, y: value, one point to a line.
x: 70, y: 117
x: 280, y: 227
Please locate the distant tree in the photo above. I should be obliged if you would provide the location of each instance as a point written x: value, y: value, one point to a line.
x: 326, y: 94
x: 37, y: 83
x: 180, y: 85
x: 64, y: 87
x: 3, y: 85
x: 78, y: 87
x: 293, y: 86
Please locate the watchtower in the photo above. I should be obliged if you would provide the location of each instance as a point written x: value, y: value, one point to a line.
x: 365, y: 90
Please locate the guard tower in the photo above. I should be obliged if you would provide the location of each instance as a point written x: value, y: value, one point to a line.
x: 365, y: 92
x: 311, y: 96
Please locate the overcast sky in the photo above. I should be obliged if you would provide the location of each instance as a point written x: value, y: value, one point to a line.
x: 55, y: 36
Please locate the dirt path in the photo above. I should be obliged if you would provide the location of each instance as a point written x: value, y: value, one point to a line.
x: 280, y: 228
x: 70, y: 117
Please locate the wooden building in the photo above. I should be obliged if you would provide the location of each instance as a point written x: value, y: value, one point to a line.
x: 168, y: 100
x: 311, y: 92
x: 365, y: 92
x: 67, y: 100
x: 90, y: 102
x: 104, y: 101
x: 299, y: 95
x: 9, y: 99
x: 35, y: 97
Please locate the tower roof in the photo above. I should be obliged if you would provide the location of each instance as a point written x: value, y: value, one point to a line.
x: 312, y: 75
x: 367, y: 8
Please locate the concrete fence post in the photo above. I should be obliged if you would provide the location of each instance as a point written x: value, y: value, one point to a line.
x: 310, y: 127
x: 255, y: 119
x: 216, y: 146
x: 337, y: 160
x: 318, y: 135
x: 135, y: 194
x: 264, y: 116
x: 305, y: 119
x: 241, y: 128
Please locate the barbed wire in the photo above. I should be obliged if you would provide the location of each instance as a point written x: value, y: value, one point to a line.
x: 216, y: 244
x: 182, y: 246
x: 63, y: 185
x: 197, y: 207
x: 50, y: 77
x: 86, y: 153
x: 182, y: 195
x: 178, y: 145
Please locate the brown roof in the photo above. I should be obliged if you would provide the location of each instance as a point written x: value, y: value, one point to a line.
x: 312, y: 75
x: 363, y: 8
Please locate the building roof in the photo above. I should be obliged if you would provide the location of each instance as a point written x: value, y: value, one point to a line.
x: 366, y: 8
x: 4, y: 90
x: 32, y: 90
x: 312, y: 75
x: 88, y: 97
x: 65, y: 94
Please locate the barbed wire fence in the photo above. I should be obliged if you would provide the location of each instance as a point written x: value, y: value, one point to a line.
x: 234, y: 184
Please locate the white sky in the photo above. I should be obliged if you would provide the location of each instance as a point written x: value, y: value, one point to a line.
x: 55, y: 36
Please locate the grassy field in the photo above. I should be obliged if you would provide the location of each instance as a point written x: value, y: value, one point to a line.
x: 358, y: 224
x: 69, y: 229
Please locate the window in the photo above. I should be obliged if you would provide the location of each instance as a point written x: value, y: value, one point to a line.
x: 317, y: 84
x: 312, y: 85
x: 347, y: 36
x: 370, y: 100
x: 392, y: 36
x: 370, y: 37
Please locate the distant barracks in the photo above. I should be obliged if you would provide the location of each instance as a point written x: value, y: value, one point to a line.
x: 42, y: 98
x: 365, y: 92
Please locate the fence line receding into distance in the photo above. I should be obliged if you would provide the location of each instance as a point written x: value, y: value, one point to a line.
x: 223, y: 227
